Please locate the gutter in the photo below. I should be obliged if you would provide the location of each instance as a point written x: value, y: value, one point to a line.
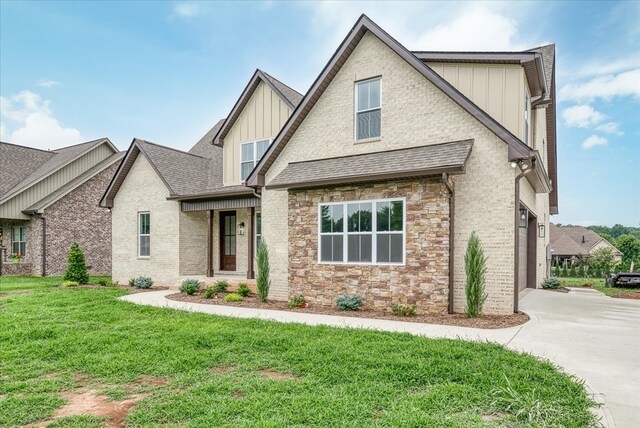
x: 445, y: 181
x: 44, y: 246
x: 516, y: 229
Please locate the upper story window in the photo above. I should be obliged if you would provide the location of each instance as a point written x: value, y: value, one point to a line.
x: 144, y: 234
x: 527, y: 115
x: 250, y: 154
x: 19, y: 240
x: 368, y: 109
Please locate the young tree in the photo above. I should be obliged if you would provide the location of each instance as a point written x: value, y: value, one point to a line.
x: 77, y: 267
x: 475, y: 264
x: 603, y: 258
x: 262, y: 280
x: 556, y: 272
x: 629, y: 246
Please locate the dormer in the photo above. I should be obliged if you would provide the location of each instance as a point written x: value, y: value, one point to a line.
x: 256, y: 118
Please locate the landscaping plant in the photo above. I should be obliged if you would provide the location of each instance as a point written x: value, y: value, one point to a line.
x: 77, y: 267
x: 233, y: 297
x: 243, y: 290
x: 573, y: 272
x: 552, y: 283
x: 209, y: 292
x: 564, y: 270
x: 132, y: 282
x: 475, y: 264
x: 263, y: 283
x: 70, y: 284
x: 143, y: 282
x: 298, y: 302
x: 190, y: 286
x: 349, y: 302
x: 557, y: 269
x: 400, y: 310
x: 221, y: 286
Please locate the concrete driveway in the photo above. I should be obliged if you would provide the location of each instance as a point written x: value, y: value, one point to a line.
x: 591, y: 336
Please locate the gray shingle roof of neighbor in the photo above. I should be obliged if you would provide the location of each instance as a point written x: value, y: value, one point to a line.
x: 38, y: 171
x: 203, y: 146
x: 573, y: 240
x: 403, y: 163
x: 17, y: 162
x: 548, y: 53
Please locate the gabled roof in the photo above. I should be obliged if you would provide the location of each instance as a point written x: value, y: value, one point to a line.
x: 517, y: 149
x: 17, y: 162
x: 42, y: 169
x: 574, y: 240
x: 290, y: 96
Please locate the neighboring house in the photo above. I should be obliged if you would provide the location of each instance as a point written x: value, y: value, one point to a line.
x: 49, y: 199
x: 571, y: 244
x: 370, y: 184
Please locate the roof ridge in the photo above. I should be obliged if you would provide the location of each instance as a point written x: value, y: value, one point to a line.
x: 279, y: 81
x: 168, y: 148
x: 101, y: 139
x: 26, y: 147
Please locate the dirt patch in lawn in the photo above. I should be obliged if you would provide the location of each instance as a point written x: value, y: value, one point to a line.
x: 484, y: 321
x: 222, y: 369
x: 624, y: 293
x: 279, y: 376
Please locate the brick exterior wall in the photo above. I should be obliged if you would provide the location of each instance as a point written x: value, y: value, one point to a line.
x: 422, y: 280
x: 76, y: 217
x: 414, y: 113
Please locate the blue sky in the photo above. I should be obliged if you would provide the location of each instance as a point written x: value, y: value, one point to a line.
x: 167, y: 71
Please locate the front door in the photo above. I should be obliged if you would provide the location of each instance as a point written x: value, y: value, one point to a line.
x: 228, y: 240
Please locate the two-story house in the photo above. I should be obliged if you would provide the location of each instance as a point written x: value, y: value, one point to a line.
x: 370, y: 184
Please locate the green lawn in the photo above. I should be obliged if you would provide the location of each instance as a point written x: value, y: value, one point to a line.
x: 598, y: 284
x: 50, y: 336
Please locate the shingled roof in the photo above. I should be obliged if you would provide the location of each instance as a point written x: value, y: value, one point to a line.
x: 574, y: 240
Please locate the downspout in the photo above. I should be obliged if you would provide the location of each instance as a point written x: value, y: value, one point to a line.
x: 445, y: 180
x: 516, y: 237
x: 44, y: 246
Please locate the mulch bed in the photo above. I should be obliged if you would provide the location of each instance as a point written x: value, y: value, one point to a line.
x: 461, y: 320
x: 625, y: 294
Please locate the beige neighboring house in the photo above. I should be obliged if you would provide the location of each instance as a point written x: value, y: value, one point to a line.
x: 370, y: 184
x: 48, y: 200
x: 570, y: 244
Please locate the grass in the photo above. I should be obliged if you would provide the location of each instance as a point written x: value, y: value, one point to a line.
x: 598, y: 284
x: 340, y: 377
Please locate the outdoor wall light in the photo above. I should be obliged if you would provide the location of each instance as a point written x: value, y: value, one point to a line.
x: 540, y: 230
x: 241, y: 228
x: 524, y: 217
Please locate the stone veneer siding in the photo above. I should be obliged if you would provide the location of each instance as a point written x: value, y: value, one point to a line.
x: 422, y: 280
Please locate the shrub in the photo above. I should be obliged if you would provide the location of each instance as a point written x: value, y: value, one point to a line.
x: 557, y: 269
x: 132, y: 282
x: 573, y: 272
x: 262, y: 281
x: 349, y: 302
x: 70, y: 284
x: 190, y: 286
x: 475, y: 264
x: 564, y: 271
x: 583, y: 271
x: 400, y: 310
x: 298, y: 302
x: 143, y: 282
x: 77, y: 267
x: 221, y: 286
x: 587, y: 283
x: 113, y: 284
x: 209, y: 292
x: 243, y: 290
x: 233, y: 297
x: 552, y: 283
x: 597, y: 273
x: 103, y: 283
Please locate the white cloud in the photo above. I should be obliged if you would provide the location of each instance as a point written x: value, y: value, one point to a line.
x: 46, y: 83
x: 593, y: 141
x: 610, y: 128
x: 610, y: 67
x: 607, y: 87
x: 187, y: 9
x: 582, y: 116
x: 34, y: 124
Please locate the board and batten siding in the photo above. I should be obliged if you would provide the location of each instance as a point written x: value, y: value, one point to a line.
x: 497, y: 89
x: 13, y: 207
x: 262, y: 118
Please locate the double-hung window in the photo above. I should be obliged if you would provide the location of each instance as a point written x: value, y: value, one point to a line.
x: 368, y: 109
x: 144, y: 234
x: 19, y: 240
x: 250, y: 154
x: 374, y: 232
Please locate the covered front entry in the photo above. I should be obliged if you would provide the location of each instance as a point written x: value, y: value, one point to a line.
x: 228, y: 241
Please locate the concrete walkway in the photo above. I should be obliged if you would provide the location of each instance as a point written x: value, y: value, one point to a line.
x: 592, y: 336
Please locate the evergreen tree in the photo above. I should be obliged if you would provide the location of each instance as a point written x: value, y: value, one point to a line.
x: 77, y: 267
x: 475, y: 264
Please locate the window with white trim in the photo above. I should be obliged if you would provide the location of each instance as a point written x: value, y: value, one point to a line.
x: 374, y: 232
x: 368, y: 109
x: 19, y: 240
x: 144, y: 234
x: 250, y: 154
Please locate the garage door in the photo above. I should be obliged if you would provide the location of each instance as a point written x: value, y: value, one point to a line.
x: 522, y: 271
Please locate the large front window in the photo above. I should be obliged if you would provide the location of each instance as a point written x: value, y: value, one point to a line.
x: 369, y: 232
x: 250, y: 154
x: 368, y: 109
x: 19, y: 240
x: 144, y: 234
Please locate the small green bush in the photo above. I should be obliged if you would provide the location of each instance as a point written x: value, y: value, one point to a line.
x: 70, y: 284
x: 209, y: 293
x: 298, y: 302
x: 103, y: 283
x: 190, y: 286
x: 400, y: 310
x: 349, y: 302
x: 243, y: 290
x: 573, y: 272
x: 564, y: 271
x: 552, y: 283
x: 132, y: 282
x: 598, y: 273
x: 221, y: 286
x: 113, y: 284
x: 233, y: 297
x: 557, y: 269
x: 143, y: 282
x: 77, y: 267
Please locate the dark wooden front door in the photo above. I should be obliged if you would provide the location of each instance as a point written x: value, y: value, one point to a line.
x: 228, y: 240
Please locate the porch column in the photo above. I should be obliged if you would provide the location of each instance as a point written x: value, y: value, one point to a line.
x: 250, y: 237
x: 210, y: 243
